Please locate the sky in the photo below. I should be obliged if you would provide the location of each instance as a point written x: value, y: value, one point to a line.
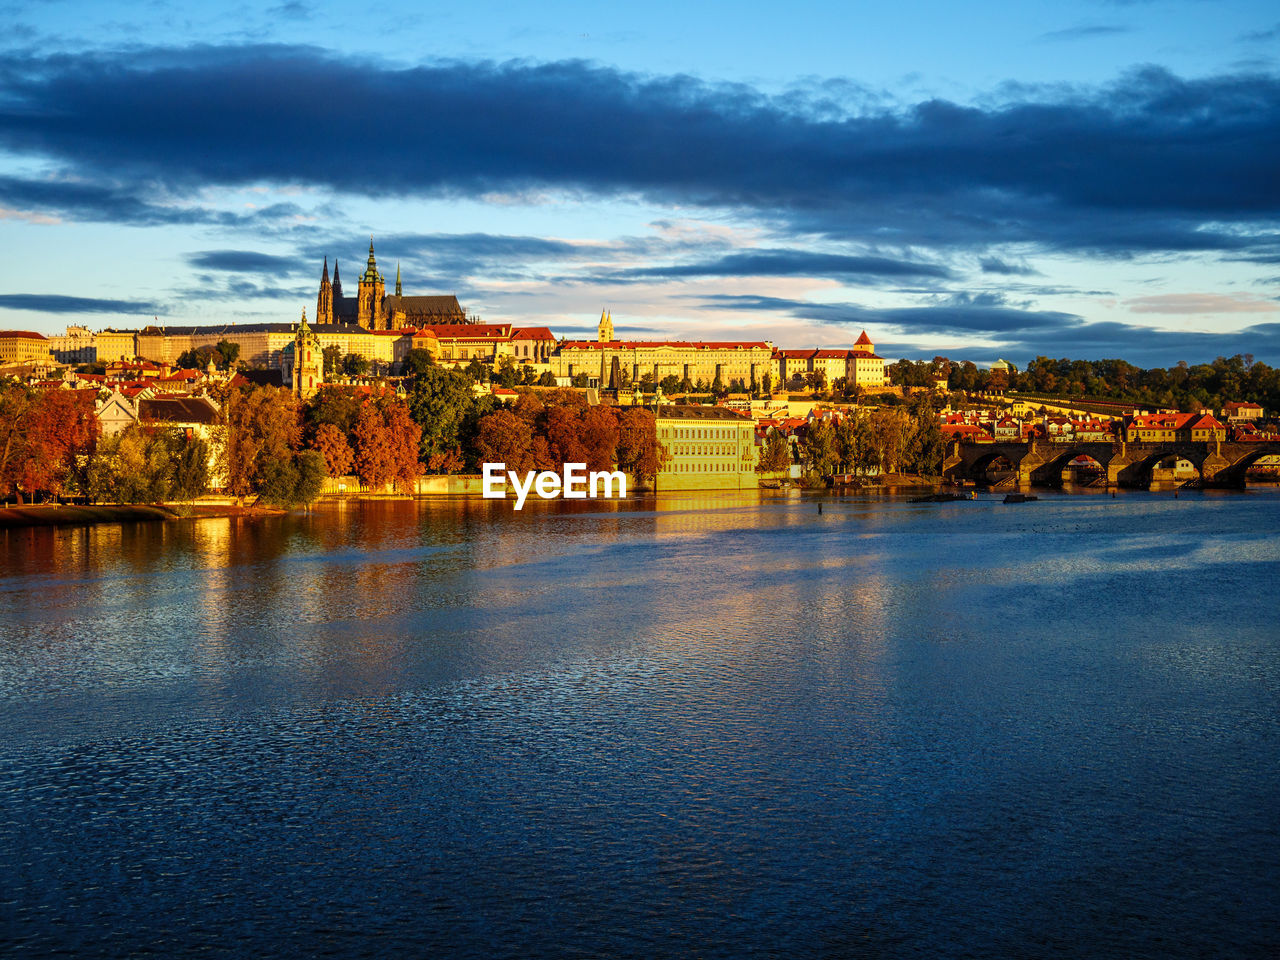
x: 977, y: 180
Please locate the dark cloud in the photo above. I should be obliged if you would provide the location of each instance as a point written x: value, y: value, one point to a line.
x: 244, y: 261
x: 1151, y: 162
x: 1086, y: 32
x: 1017, y: 334
x: 793, y: 263
x: 56, y: 303
x: 1263, y: 36
x: 106, y: 201
x: 958, y: 314
x: 1004, y: 268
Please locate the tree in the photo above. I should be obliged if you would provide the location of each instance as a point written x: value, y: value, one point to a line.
x: 189, y: 457
x: 503, y: 437
x: 820, y: 452
x: 415, y: 361
x: 889, y: 430
x: 355, y: 365
x: 563, y: 435
x: 440, y: 403
x: 227, y: 354
x: 386, y: 442
x: 598, y: 433
x: 548, y: 379
x: 506, y: 374
x: 332, y: 359
x: 264, y: 430
x: 41, y: 435
x: 670, y: 383
x: 639, y: 452
x: 477, y: 371
x: 331, y: 443
x: 776, y: 454
x: 336, y: 405
x: 581, y: 380
x: 142, y: 464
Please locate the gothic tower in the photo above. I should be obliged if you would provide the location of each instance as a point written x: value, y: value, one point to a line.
x: 324, y: 303
x: 606, y: 327
x: 337, y: 283
x: 369, y: 307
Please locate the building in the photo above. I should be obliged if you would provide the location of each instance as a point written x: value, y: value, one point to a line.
x: 302, y: 361
x: 24, y: 346
x: 708, y: 448
x: 372, y: 309
x: 605, y: 361
x: 1236, y: 411
x: 857, y: 367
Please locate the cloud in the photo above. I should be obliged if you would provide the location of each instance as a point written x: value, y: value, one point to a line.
x: 1149, y: 162
x: 244, y: 261
x: 1086, y: 32
x: 56, y: 303
x: 1014, y: 333
x: 1200, y: 303
x: 1004, y: 268
x: 791, y: 263
x: 1262, y: 36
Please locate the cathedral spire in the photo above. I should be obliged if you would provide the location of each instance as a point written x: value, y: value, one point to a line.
x: 324, y: 277
x: 397, y: 278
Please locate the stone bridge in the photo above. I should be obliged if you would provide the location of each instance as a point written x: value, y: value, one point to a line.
x: 1219, y: 463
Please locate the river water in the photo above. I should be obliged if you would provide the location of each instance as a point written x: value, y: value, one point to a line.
x: 716, y: 727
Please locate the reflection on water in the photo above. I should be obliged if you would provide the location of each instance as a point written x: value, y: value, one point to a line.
x: 700, y: 725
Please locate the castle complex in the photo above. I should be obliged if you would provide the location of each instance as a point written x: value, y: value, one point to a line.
x: 372, y: 309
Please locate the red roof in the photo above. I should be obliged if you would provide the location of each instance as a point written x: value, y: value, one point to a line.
x: 21, y: 335
x: 683, y: 344
x: 532, y: 333
x: 864, y: 339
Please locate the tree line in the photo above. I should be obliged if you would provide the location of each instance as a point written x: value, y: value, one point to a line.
x: 897, y: 439
x: 1183, y: 387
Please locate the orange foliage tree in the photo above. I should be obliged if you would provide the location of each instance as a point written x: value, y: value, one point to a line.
x: 386, y: 441
x: 42, y: 433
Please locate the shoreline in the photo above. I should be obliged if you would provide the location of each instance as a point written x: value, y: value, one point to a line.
x: 75, y: 515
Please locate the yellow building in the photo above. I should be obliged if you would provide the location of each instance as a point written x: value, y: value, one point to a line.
x: 24, y: 346
x: 708, y: 448
x: 735, y: 363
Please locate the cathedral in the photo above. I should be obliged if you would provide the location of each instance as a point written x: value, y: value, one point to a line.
x: 372, y: 309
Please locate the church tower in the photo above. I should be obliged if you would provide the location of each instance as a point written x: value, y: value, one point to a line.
x: 324, y: 303
x: 308, y: 360
x: 337, y: 284
x: 369, y: 307
x: 606, y: 327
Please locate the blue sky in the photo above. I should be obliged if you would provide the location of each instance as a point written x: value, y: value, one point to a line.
x: 977, y: 180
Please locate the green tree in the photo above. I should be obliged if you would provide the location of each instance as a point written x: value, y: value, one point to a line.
x: 332, y: 359
x: 440, y: 403
x: 415, y: 361
x: 355, y: 365
x: 776, y: 454
x: 227, y: 354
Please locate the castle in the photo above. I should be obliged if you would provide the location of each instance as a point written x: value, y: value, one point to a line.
x: 372, y: 309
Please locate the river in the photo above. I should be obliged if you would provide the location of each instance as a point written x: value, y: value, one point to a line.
x: 717, y: 727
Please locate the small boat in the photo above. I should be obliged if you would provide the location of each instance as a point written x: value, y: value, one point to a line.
x: 1019, y: 498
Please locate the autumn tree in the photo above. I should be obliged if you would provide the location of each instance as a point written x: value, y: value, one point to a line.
x: 386, y: 442
x: 503, y: 437
x: 41, y: 435
x: 331, y: 443
x: 639, y: 452
x: 598, y: 434
x: 264, y: 434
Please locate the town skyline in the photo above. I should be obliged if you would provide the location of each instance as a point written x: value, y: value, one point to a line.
x: 1088, y: 184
